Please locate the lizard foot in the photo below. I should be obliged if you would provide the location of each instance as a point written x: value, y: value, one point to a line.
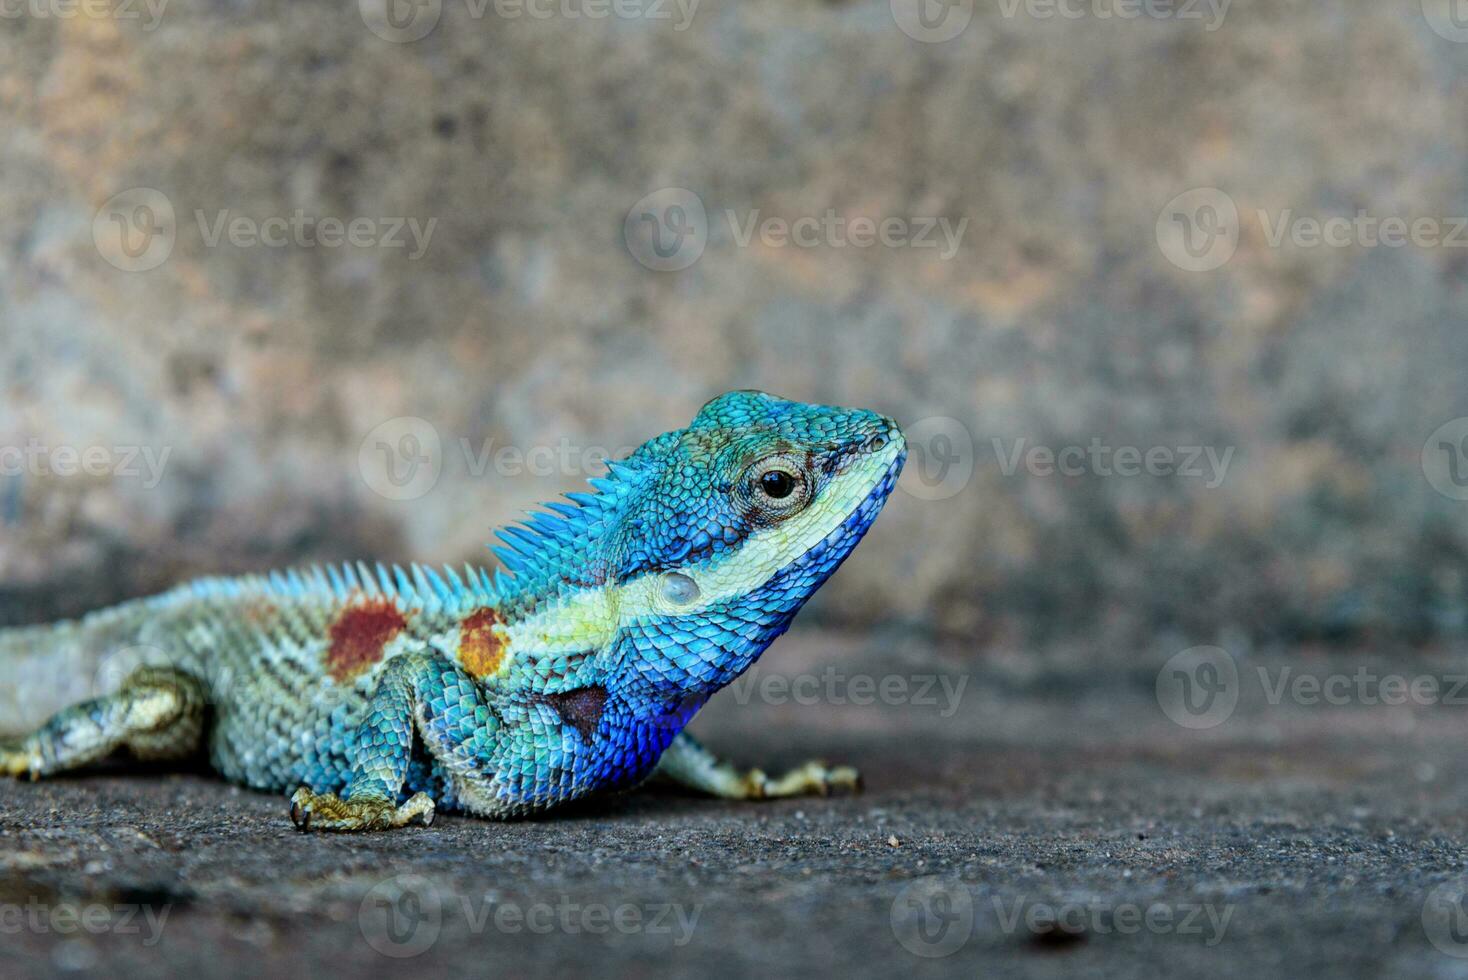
x: 326, y: 811
x: 814, y: 778
x: 16, y: 761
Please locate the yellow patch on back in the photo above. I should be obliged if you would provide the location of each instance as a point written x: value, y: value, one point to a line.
x: 482, y: 650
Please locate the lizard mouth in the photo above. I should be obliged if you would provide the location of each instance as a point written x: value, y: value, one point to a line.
x: 833, y: 547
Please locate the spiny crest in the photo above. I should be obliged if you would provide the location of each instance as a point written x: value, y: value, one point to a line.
x: 416, y: 587
x: 561, y: 539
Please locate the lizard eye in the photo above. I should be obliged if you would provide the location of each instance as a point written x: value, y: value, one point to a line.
x: 777, y: 484
x: 778, y: 487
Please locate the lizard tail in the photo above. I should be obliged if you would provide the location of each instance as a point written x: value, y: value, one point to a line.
x: 47, y: 667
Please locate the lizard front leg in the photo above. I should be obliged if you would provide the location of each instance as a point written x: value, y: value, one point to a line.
x: 689, y: 764
x: 420, y: 694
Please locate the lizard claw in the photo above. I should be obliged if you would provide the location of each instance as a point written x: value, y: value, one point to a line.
x: 812, y: 778
x: 16, y: 761
x: 327, y: 811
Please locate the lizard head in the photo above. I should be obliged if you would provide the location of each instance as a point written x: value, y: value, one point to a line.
x: 702, y: 545
x: 741, y: 518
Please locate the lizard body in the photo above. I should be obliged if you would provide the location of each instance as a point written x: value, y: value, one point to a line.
x: 381, y: 694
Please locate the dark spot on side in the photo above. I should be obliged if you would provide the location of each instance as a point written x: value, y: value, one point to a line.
x: 359, y: 636
x: 581, y: 708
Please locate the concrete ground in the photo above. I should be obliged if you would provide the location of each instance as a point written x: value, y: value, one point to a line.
x: 1028, y: 823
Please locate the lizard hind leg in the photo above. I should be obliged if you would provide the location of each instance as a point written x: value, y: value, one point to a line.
x: 687, y: 763
x: 158, y: 713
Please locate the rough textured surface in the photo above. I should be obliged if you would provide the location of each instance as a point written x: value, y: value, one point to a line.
x: 1317, y: 832
x: 1058, y: 319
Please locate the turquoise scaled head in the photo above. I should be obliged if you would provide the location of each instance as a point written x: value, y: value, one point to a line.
x: 734, y: 522
x: 698, y: 549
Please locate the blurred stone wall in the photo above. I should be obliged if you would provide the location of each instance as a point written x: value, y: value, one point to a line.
x: 534, y: 320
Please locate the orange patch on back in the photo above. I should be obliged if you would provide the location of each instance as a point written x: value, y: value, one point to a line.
x: 481, y: 650
x: 360, y: 635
